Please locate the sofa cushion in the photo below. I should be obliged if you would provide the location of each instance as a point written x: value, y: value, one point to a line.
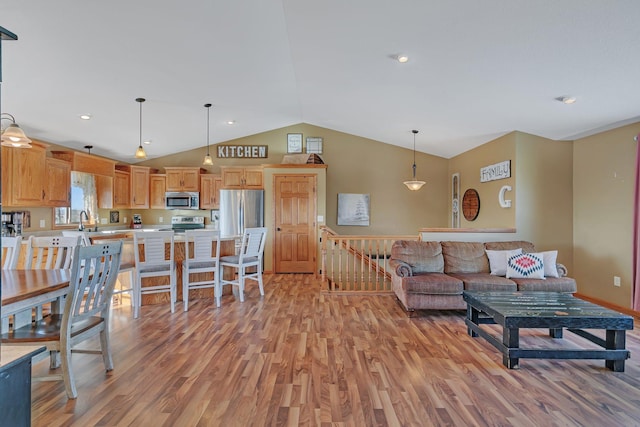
x: 526, y: 266
x: 464, y: 257
x: 423, y: 257
x: 498, y: 260
x: 549, y: 258
x: 485, y: 282
x: 510, y: 245
x: 550, y: 284
x: 432, y: 283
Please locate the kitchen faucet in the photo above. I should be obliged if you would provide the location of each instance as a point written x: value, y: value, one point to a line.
x: 81, y: 227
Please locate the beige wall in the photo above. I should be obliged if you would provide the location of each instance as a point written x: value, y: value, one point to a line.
x: 543, y: 195
x: 468, y: 165
x: 604, y: 168
x: 355, y: 165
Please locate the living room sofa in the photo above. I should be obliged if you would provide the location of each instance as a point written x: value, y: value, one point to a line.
x: 431, y: 275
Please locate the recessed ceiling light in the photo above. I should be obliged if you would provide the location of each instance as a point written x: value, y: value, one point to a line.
x: 566, y: 99
x: 85, y: 116
x: 402, y: 58
x: 231, y: 122
x: 148, y: 141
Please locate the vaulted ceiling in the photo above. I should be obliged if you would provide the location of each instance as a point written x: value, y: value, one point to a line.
x: 476, y: 70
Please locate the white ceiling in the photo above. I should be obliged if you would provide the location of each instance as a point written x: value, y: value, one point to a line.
x: 477, y: 69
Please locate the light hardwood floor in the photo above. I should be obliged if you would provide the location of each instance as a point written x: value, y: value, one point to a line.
x: 298, y: 356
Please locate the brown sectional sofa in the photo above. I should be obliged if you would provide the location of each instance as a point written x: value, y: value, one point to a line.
x: 432, y: 275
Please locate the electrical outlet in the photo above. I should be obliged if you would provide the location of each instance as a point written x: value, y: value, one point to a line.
x: 42, y: 223
x: 124, y: 220
x: 103, y: 220
x: 616, y: 281
x: 160, y: 219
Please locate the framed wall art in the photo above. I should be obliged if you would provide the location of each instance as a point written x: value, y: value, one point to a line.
x: 294, y: 143
x: 314, y: 145
x: 353, y: 209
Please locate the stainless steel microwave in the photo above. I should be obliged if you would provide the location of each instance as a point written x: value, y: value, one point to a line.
x: 182, y: 200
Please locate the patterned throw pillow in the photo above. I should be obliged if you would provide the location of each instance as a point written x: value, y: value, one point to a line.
x: 498, y: 260
x: 526, y: 266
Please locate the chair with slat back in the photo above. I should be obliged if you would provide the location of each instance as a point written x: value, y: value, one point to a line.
x: 155, y: 264
x: 250, y: 255
x: 85, y: 315
x: 200, y: 260
x: 51, y: 252
x: 11, y: 251
x: 84, y: 238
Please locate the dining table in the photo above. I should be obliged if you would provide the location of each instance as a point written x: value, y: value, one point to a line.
x: 24, y: 290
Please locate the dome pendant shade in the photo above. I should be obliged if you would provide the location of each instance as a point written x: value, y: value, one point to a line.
x: 208, y: 161
x: 414, y: 184
x: 12, y: 135
x: 140, y: 153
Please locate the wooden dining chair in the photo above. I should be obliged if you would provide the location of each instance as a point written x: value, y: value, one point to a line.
x: 85, y: 315
x: 11, y: 251
x: 50, y: 252
x: 154, y: 264
x: 250, y: 255
x: 202, y: 259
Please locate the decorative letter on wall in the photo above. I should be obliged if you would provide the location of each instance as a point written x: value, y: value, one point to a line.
x: 504, y: 203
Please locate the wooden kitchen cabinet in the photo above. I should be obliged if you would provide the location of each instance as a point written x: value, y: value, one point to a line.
x: 249, y: 177
x: 29, y: 178
x: 210, y: 185
x: 183, y: 178
x: 157, y: 188
x: 104, y: 188
x: 138, y: 185
x: 121, y: 189
x: 57, y: 185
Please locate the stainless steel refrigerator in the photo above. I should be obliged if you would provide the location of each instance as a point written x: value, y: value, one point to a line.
x: 240, y: 209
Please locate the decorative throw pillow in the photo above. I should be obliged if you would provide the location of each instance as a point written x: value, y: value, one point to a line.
x: 526, y: 266
x: 549, y: 260
x: 498, y: 260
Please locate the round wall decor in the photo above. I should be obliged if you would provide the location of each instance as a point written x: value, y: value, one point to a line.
x: 470, y: 204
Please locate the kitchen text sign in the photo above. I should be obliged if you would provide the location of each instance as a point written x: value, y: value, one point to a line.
x: 242, y: 151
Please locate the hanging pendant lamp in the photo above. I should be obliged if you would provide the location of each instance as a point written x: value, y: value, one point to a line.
x: 208, y: 161
x: 414, y: 184
x: 12, y: 135
x: 140, y: 154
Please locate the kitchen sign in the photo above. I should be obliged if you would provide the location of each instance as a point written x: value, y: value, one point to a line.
x: 242, y: 151
x: 500, y: 170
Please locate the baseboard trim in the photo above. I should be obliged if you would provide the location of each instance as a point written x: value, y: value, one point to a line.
x: 621, y: 309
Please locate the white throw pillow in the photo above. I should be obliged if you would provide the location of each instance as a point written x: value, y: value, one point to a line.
x: 549, y: 259
x: 526, y: 266
x: 498, y: 260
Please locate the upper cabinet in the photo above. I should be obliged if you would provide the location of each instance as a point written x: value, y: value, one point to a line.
x: 57, y: 186
x: 29, y: 178
x: 121, y: 189
x: 183, y: 179
x: 157, y: 188
x: 249, y: 177
x: 210, y: 185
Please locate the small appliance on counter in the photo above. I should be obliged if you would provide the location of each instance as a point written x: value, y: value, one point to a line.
x: 136, y: 221
x: 12, y: 223
x: 180, y: 224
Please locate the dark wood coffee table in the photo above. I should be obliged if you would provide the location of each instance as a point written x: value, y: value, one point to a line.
x: 553, y: 310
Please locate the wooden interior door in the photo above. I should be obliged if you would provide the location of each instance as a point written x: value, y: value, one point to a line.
x: 295, y: 225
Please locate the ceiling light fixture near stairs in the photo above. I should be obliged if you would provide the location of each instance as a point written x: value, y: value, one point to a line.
x: 414, y: 184
x: 140, y: 154
x: 208, y: 161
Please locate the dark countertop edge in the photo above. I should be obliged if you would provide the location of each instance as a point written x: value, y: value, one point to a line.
x: 13, y: 355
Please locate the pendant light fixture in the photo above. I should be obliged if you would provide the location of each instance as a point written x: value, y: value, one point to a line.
x: 140, y: 154
x: 414, y: 184
x: 208, y: 161
x: 12, y: 135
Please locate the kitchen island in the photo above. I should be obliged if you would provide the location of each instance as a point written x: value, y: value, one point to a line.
x: 227, y: 247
